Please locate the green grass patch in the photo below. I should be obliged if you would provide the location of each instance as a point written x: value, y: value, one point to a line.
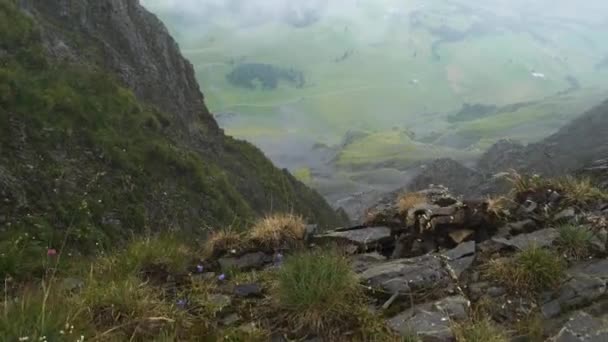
x: 529, y: 272
x: 304, y: 175
x: 159, y: 253
x: 575, y: 241
x: 37, y: 315
x: 318, y: 291
x: 392, y: 147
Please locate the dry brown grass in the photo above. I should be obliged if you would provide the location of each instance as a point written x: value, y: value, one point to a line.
x: 410, y: 200
x: 498, y: 206
x: 222, y: 241
x: 576, y: 191
x: 278, y: 230
x: 579, y: 191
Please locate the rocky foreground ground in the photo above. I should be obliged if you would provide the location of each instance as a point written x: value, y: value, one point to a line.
x: 532, y: 264
x: 426, y: 266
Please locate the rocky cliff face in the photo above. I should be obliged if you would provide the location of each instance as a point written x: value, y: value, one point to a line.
x: 103, y: 129
x: 121, y: 36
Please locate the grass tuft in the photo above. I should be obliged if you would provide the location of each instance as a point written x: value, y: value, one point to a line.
x: 498, y: 206
x: 127, y: 308
x: 39, y: 315
x: 482, y: 330
x: 579, y: 191
x: 221, y: 241
x: 318, y: 291
x: 166, y: 253
x: 529, y: 272
x: 575, y: 241
x: 531, y: 327
x: 576, y: 191
x: 278, y: 230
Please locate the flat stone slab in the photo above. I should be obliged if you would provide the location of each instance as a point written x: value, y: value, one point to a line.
x: 460, y: 251
x: 245, y: 262
x: 362, y: 238
x: 582, y: 327
x: 426, y: 325
x: 461, y: 258
x: 431, y: 321
x: 586, y: 282
x: 406, y: 275
x: 540, y: 238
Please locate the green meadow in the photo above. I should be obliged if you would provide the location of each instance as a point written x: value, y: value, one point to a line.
x: 384, y: 66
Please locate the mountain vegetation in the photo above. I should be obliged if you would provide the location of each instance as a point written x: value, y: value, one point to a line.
x: 126, y: 213
x: 85, y: 163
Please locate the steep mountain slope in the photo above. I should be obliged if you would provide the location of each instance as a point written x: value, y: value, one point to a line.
x: 104, y: 133
x: 578, y: 143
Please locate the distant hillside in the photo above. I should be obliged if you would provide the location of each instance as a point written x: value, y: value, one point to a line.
x: 577, y: 144
x: 104, y: 133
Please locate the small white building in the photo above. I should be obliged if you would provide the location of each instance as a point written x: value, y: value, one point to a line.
x: 538, y: 75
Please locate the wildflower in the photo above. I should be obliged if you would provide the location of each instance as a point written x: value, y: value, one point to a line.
x: 221, y: 277
x: 24, y: 338
x: 51, y: 252
x: 182, y: 303
x: 200, y: 268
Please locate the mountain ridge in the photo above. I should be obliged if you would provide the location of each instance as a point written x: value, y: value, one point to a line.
x: 105, y: 133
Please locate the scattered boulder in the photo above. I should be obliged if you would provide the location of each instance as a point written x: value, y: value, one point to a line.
x: 245, y: 262
x: 248, y: 290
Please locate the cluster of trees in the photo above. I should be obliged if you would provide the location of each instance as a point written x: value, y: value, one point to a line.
x: 265, y: 76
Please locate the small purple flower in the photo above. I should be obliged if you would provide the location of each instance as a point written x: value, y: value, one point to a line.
x: 182, y: 303
x: 278, y: 259
x: 221, y: 277
x: 200, y: 268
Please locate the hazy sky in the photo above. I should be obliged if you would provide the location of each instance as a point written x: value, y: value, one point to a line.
x: 597, y: 8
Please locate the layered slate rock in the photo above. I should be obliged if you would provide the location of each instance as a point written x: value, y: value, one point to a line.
x: 432, y: 321
x: 245, y: 262
x: 582, y: 327
x: 364, y: 238
x: 539, y: 238
x: 586, y: 282
x: 406, y: 275
x: 460, y: 258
